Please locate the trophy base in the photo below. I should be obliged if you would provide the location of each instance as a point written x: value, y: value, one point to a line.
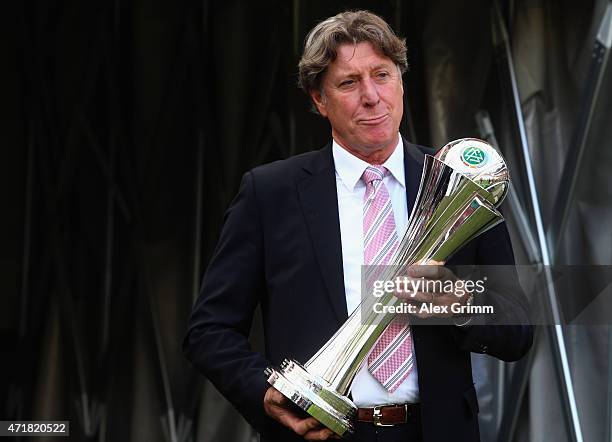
x: 313, y: 395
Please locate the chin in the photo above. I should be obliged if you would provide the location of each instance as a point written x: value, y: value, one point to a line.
x: 381, y: 142
x: 381, y: 137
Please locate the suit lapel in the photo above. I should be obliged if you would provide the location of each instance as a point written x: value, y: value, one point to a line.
x: 413, y: 168
x: 318, y: 198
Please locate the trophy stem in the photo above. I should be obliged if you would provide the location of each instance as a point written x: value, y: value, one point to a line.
x: 339, y: 360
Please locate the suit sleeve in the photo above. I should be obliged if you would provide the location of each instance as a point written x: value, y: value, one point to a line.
x: 216, y: 341
x: 506, y: 342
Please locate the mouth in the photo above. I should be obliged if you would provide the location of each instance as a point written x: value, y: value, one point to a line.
x: 373, y: 121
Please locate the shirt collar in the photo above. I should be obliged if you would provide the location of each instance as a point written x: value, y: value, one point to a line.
x: 350, y: 168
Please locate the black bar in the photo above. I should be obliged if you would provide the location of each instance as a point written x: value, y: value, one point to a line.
x: 35, y: 428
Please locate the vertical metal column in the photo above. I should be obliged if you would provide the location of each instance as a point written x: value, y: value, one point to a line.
x: 511, y: 389
x: 558, y: 341
x: 567, y: 185
x: 487, y: 132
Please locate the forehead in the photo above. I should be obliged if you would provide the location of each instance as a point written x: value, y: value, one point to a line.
x: 358, y: 57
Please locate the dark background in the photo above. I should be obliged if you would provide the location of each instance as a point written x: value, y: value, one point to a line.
x: 127, y: 127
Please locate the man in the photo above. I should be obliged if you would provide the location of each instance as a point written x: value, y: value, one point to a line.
x: 294, y: 241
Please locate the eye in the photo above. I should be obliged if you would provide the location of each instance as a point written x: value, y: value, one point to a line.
x: 347, y: 83
x: 383, y: 75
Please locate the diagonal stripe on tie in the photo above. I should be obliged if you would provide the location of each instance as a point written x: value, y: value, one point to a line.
x: 380, y: 219
x: 379, y: 359
x: 390, y: 360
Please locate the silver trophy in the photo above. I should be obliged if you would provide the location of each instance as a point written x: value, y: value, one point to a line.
x: 461, y: 186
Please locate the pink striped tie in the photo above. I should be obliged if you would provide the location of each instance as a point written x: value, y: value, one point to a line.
x: 390, y: 360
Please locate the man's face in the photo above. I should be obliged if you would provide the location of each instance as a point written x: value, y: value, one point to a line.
x: 362, y: 97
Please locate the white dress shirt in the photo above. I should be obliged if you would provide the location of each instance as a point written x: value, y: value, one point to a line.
x: 366, y: 390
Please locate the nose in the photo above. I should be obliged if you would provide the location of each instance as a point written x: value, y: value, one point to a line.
x: 369, y: 93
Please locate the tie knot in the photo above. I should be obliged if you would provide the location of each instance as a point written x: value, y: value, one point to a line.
x: 373, y: 173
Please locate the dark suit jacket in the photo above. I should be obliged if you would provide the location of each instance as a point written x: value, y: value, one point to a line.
x: 280, y: 248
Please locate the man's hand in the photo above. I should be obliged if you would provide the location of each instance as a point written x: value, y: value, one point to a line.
x: 279, y: 408
x: 438, y: 300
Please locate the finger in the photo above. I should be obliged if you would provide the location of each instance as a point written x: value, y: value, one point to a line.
x: 408, y: 286
x: 439, y: 308
x: 289, y: 418
x: 277, y: 398
x: 446, y: 273
x: 431, y: 298
x: 408, y: 294
x: 433, y: 262
x: 278, y: 407
x: 425, y: 271
x: 418, y: 298
x: 322, y: 434
x: 430, y: 315
x: 303, y: 426
x: 422, y: 315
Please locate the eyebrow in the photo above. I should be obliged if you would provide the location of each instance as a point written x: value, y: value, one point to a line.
x: 380, y: 66
x: 352, y: 73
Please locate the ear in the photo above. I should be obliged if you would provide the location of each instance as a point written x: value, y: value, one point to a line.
x: 319, y: 101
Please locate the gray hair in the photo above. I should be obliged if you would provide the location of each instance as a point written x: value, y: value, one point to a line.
x: 322, y: 42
